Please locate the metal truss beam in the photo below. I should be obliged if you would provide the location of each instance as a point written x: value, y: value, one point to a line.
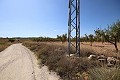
x: 74, y: 27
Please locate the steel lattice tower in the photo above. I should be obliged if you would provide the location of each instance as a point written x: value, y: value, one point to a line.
x: 74, y: 26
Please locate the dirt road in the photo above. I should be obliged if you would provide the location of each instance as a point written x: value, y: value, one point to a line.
x: 18, y: 63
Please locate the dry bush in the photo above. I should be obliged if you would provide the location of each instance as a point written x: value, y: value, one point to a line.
x: 85, y: 52
x: 54, y: 56
x: 104, y: 74
x: 4, y: 44
x: 2, y: 47
x: 72, y: 68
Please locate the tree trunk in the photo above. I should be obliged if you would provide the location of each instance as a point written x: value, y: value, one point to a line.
x: 116, y: 44
x: 102, y: 42
x: 90, y: 43
x: 116, y: 47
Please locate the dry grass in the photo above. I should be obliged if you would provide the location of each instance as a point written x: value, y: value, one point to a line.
x: 4, y: 44
x: 54, y: 56
x: 104, y: 74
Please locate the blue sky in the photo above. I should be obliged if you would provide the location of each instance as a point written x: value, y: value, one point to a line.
x: 28, y: 18
x: 96, y: 13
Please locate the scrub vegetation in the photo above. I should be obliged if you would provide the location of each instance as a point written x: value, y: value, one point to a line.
x: 53, y: 52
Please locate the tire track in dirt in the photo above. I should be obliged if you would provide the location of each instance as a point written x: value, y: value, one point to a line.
x: 30, y: 57
x: 2, y: 67
x: 15, y: 64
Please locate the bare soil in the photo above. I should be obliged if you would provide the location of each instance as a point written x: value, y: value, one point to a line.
x: 99, y: 48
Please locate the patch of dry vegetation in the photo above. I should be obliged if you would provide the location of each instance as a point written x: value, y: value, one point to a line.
x: 54, y: 56
x: 4, y: 44
x: 104, y: 74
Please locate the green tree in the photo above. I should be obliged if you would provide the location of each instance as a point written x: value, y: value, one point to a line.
x: 11, y: 40
x: 62, y: 37
x: 86, y: 38
x: 99, y: 37
x: 91, y: 39
x: 111, y: 34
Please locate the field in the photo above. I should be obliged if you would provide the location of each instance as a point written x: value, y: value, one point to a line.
x: 99, y: 48
x: 5, y: 42
x: 54, y: 55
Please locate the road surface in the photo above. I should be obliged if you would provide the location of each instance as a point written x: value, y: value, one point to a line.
x: 18, y: 63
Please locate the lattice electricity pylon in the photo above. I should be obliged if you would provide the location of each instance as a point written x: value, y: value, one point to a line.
x: 74, y: 26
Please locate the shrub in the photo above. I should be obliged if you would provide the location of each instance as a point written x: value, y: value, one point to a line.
x: 11, y: 40
x: 54, y: 56
x: 104, y: 74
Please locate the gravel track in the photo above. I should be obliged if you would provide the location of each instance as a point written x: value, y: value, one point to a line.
x: 18, y: 63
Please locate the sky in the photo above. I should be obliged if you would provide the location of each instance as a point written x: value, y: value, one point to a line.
x: 35, y: 18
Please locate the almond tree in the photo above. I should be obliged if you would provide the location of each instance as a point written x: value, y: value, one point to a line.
x: 91, y: 39
x: 98, y: 36
x: 62, y: 38
x: 86, y: 38
x: 112, y: 34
